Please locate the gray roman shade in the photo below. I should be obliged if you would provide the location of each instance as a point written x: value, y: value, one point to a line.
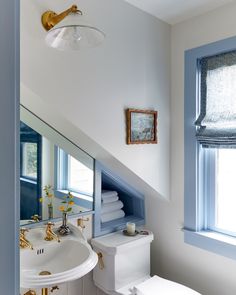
x: 216, y: 124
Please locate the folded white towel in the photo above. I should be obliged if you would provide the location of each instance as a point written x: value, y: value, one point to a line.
x: 110, y: 200
x: 110, y: 207
x: 112, y: 216
x: 157, y: 285
x: 108, y: 194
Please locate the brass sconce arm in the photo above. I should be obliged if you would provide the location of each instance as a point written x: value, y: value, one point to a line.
x: 50, y: 18
x: 69, y: 30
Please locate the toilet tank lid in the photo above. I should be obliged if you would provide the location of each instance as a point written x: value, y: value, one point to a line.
x: 118, y: 242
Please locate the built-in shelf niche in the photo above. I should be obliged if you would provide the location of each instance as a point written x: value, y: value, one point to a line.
x: 132, y: 199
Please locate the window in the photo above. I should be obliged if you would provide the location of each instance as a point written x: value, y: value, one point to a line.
x: 219, y: 191
x: 80, y: 178
x: 30, y: 154
x: 216, y: 130
x: 29, y: 160
x: 210, y: 147
x: 224, y: 197
x: 73, y: 175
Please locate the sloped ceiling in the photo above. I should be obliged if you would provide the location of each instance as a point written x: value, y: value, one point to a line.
x: 175, y: 11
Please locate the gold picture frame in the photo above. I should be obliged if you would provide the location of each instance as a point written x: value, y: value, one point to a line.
x: 141, y: 126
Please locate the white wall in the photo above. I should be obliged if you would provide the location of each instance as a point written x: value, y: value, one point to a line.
x: 91, y: 89
x: 208, y: 273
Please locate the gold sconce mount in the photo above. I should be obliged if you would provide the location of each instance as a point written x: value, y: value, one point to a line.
x: 50, y: 18
x: 70, y: 30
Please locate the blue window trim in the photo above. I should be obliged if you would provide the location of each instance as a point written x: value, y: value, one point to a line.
x: 195, y: 225
x: 60, y: 164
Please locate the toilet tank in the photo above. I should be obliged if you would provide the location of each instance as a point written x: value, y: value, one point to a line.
x: 126, y: 260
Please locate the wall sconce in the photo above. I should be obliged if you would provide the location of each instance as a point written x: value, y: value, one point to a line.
x: 69, y: 30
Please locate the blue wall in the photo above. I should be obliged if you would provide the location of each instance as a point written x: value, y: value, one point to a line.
x: 9, y: 156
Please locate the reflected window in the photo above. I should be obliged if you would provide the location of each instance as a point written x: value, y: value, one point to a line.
x: 29, y: 160
x: 30, y: 171
x: 73, y: 175
x: 80, y: 178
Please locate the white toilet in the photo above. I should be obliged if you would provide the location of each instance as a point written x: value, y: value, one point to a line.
x: 124, y: 267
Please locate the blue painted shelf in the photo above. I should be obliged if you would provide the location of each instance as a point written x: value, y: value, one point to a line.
x: 132, y: 199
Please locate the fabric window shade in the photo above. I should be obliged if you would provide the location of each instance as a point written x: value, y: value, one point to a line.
x: 216, y: 124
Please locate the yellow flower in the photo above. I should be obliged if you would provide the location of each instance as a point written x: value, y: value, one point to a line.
x: 41, y: 200
x: 71, y: 203
x: 62, y: 208
x: 70, y: 196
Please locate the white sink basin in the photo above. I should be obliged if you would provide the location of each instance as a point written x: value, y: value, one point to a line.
x: 66, y: 261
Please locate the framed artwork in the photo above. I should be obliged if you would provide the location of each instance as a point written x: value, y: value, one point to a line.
x: 141, y: 126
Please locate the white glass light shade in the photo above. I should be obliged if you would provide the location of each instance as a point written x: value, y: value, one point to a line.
x: 74, y: 33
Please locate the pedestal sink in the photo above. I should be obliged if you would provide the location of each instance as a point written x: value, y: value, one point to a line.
x: 52, y: 263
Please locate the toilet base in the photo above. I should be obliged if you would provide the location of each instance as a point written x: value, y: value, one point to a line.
x: 162, y: 286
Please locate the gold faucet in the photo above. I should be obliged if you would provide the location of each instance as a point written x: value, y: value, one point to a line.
x: 80, y: 223
x: 24, y: 243
x: 35, y: 218
x: 30, y: 292
x: 50, y: 235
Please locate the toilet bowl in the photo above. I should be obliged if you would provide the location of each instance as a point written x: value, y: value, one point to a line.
x: 157, y: 285
x: 124, y: 267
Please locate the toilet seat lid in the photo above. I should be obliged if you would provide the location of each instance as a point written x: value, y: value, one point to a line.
x: 160, y: 286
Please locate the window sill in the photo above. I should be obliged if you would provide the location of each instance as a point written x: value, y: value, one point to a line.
x: 212, y: 241
x: 76, y: 195
x: 79, y: 199
x: 28, y: 180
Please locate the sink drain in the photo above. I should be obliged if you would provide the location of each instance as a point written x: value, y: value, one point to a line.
x: 44, y: 273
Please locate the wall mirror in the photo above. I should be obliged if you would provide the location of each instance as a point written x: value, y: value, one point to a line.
x: 51, y: 167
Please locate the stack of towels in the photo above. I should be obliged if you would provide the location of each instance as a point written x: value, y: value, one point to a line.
x: 111, y: 208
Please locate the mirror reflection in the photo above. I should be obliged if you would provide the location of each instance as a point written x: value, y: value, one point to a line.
x: 55, y: 175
